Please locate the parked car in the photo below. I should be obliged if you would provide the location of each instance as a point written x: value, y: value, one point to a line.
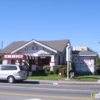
x: 12, y: 73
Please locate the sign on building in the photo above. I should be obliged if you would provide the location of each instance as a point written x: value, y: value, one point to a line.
x: 68, y: 53
x: 13, y: 56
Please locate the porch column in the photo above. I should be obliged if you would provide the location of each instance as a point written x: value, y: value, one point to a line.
x: 52, y: 62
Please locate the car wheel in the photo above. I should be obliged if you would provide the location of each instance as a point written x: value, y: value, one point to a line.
x: 11, y: 79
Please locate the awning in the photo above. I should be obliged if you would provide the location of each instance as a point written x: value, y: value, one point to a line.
x: 28, y: 56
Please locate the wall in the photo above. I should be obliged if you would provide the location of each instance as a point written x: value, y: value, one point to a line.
x: 62, y: 60
x: 38, y: 52
x: 28, y: 50
x: 80, y: 48
x: 62, y: 57
x: 4, y: 61
x: 84, y: 65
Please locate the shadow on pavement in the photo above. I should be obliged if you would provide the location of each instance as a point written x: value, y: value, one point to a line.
x: 30, y: 82
x: 22, y: 82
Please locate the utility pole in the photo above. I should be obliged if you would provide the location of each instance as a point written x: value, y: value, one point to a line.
x: 67, y: 70
x: 68, y: 58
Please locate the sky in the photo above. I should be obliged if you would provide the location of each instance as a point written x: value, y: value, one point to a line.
x: 76, y: 20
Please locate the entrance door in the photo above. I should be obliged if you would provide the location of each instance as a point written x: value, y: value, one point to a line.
x: 13, y: 61
x: 45, y: 60
x: 58, y: 60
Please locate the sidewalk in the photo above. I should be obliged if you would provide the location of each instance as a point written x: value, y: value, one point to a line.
x: 66, y: 82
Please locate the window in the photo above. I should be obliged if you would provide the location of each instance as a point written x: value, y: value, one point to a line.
x: 32, y: 47
x: 36, y: 47
x: 43, y: 48
x: 26, y: 48
x: 8, y: 68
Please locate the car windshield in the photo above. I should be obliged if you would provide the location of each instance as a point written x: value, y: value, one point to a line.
x: 22, y: 68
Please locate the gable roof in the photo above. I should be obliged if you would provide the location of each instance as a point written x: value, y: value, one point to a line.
x: 58, y: 45
x: 13, y: 46
x: 84, y: 53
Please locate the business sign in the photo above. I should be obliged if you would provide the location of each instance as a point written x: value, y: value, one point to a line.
x: 13, y: 56
x: 43, y: 54
x: 84, y: 63
x: 71, y: 74
x: 68, y: 53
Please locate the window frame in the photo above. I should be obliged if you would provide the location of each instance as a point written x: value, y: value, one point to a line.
x: 32, y: 47
x: 37, y: 48
x: 10, y: 68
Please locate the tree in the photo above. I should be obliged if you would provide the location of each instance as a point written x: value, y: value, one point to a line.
x: 98, y: 60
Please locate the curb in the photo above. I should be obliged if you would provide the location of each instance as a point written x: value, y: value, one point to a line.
x: 57, y: 83
x: 63, y: 83
x: 77, y: 84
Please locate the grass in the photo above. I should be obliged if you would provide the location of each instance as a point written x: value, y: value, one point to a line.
x: 48, y: 77
x: 91, y: 78
x: 86, y: 78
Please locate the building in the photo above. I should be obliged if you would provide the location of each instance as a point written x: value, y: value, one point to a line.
x: 84, y: 60
x: 80, y: 48
x: 36, y: 54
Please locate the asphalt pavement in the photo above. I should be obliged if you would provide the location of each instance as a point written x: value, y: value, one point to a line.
x: 48, y: 90
x: 33, y: 91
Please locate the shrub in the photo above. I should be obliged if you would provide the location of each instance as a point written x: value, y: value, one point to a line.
x: 73, y: 67
x: 46, y: 68
x: 51, y: 72
x: 98, y: 70
x: 63, y: 66
x: 63, y: 71
x: 39, y: 73
x: 56, y: 69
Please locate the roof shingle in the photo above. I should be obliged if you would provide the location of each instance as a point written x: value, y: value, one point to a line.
x: 13, y: 46
x: 55, y: 44
x: 84, y: 53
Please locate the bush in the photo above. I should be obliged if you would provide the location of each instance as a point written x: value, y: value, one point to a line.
x: 63, y: 66
x: 39, y: 73
x: 56, y: 69
x: 60, y: 69
x: 98, y: 70
x: 46, y: 69
x: 73, y: 67
x: 63, y: 71
x: 51, y: 72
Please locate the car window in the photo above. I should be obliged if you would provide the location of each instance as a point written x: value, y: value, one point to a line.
x: 8, y: 68
x: 22, y: 68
